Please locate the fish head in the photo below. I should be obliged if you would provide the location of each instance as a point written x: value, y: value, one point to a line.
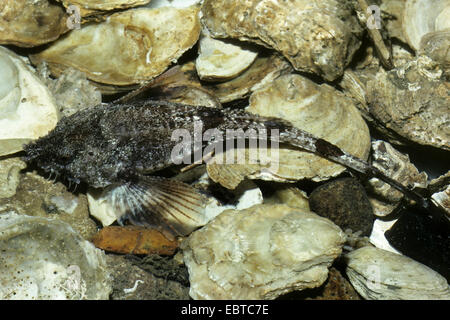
x: 74, y: 151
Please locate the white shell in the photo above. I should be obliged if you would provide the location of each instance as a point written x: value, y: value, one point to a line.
x: 381, y: 275
x: 424, y: 16
x: 45, y: 259
x: 219, y: 60
x: 377, y: 237
x: 27, y: 109
x: 260, y: 253
x: 264, y: 70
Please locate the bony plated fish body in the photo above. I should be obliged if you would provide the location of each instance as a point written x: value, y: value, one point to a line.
x: 115, y: 146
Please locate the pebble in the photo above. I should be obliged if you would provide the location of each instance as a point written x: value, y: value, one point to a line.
x: 344, y: 201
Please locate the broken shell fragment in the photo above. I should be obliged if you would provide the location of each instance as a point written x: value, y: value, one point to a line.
x: 128, y: 48
x: 27, y: 109
x: 397, y: 166
x: 421, y: 17
x: 382, y: 275
x: 318, y: 109
x: 220, y: 60
x: 443, y: 199
x: 260, y: 253
x: 318, y: 36
x: 406, y: 98
x: 29, y: 23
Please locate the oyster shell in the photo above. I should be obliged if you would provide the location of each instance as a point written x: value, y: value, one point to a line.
x: 173, y: 3
x: 92, y: 7
x: 45, y: 259
x: 27, y: 109
x: 406, y: 99
x: 128, y: 48
x: 28, y: 23
x: 260, y: 253
x: 264, y: 70
x: 317, y: 36
x: 220, y: 60
x: 436, y: 45
x: 382, y: 275
x: 396, y: 165
x: 318, y: 109
x: 421, y: 17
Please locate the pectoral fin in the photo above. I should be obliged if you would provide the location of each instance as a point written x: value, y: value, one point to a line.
x: 167, y: 204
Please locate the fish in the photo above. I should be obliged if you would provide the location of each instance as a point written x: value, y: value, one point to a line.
x: 119, y: 147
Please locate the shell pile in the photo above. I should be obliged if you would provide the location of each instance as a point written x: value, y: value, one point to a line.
x: 317, y: 64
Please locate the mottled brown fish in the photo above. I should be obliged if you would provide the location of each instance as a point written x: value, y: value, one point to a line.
x: 115, y: 147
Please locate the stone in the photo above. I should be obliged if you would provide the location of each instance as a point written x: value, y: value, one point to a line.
x: 260, y: 253
x: 343, y: 201
x: 381, y: 275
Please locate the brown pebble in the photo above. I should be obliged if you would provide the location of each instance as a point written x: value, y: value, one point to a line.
x: 134, y: 240
x: 344, y: 201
